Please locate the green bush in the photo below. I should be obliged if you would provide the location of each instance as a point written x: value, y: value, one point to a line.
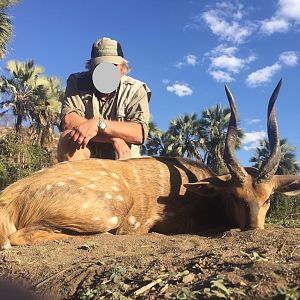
x: 20, y: 158
x: 284, y: 210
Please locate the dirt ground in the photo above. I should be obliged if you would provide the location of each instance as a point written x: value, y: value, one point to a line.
x: 261, y: 264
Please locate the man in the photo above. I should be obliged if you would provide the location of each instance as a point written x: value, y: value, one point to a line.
x: 99, y: 123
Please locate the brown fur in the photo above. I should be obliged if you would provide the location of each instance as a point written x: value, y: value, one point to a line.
x: 127, y: 197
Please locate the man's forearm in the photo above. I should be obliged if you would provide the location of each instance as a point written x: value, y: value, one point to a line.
x: 72, y: 120
x: 130, y: 132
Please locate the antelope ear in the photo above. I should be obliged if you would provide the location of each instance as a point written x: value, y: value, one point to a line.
x: 209, y: 187
x: 287, y: 184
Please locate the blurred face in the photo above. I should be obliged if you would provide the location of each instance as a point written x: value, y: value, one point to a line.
x: 106, y: 77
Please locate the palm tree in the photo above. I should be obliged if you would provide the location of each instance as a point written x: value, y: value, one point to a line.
x: 31, y: 95
x: 155, y: 143
x: 45, y: 109
x: 183, y: 138
x: 213, y: 127
x: 288, y: 163
x: 18, y: 89
x: 5, y: 25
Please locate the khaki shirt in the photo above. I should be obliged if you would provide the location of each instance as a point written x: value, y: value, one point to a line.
x: 129, y: 103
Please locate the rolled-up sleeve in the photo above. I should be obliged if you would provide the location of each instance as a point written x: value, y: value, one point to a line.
x: 138, y: 110
x: 72, y: 101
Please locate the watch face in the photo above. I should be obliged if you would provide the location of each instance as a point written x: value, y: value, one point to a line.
x: 102, y: 125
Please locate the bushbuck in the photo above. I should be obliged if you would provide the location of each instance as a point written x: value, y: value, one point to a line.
x: 135, y: 196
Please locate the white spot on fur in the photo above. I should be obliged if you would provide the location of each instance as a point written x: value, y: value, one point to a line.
x: 77, y: 173
x: 149, y: 221
x: 108, y: 196
x: 93, y: 179
x: 132, y: 220
x: 126, y: 183
x: 61, y: 183
x: 120, y: 198
x: 115, y: 175
x: 95, y: 219
x: 70, y: 178
x: 137, y: 225
x: 91, y: 186
x: 113, y: 221
x: 48, y: 187
x: 115, y: 188
x: 104, y: 173
x: 85, y: 205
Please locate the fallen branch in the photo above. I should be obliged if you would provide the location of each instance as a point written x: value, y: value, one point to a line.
x: 147, y: 287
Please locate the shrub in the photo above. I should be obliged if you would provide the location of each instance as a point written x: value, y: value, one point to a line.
x: 20, y: 158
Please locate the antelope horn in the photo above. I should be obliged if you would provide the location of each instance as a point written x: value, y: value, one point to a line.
x: 269, y: 167
x: 237, y: 172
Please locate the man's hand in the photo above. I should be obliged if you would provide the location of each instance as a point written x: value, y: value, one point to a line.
x: 83, y: 133
x: 121, y: 148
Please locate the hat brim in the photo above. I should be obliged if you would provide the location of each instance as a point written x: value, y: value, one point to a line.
x: 112, y: 59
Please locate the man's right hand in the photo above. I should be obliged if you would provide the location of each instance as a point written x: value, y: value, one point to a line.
x: 121, y: 148
x: 84, y: 132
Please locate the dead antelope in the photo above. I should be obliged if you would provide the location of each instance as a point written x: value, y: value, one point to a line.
x: 166, y: 195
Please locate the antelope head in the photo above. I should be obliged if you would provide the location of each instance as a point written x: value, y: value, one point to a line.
x: 246, y: 191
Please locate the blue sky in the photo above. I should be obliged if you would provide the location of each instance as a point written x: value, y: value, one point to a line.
x: 184, y: 50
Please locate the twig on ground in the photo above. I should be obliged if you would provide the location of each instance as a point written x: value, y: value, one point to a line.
x: 147, y: 287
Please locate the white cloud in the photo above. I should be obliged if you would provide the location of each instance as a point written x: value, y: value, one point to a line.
x: 283, y: 20
x: 221, y: 76
x: 252, y: 121
x: 289, y: 58
x: 224, y: 63
x: 180, y: 89
x: 251, y: 139
x: 188, y: 60
x: 263, y: 75
x: 191, y: 60
x: 226, y: 22
x: 223, y: 49
x: 165, y: 81
x: 273, y: 25
x: 289, y: 9
x: 230, y: 63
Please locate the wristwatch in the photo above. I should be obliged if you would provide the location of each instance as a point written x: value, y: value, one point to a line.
x: 102, y: 124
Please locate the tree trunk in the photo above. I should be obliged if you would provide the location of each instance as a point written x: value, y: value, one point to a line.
x: 19, y: 123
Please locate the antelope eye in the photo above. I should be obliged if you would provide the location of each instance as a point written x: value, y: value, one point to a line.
x: 267, y: 202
